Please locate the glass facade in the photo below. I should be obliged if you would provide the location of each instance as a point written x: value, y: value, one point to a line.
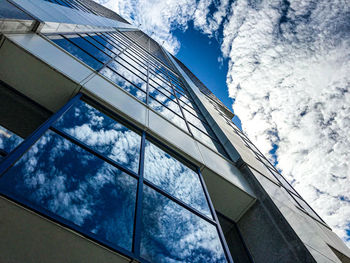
x: 138, y: 65
x: 92, y: 171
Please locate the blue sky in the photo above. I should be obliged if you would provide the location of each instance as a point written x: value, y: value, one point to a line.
x: 287, y: 67
x: 202, y: 55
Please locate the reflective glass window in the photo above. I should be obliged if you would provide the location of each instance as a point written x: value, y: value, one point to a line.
x: 125, y: 83
x: 88, y: 47
x: 8, y: 140
x: 113, y: 41
x: 132, y: 63
x: 167, y: 113
x: 174, y: 177
x: 77, y: 52
x: 173, y: 234
x: 102, y: 134
x: 102, y: 44
x: 65, y: 180
x: 128, y: 73
x: 159, y: 83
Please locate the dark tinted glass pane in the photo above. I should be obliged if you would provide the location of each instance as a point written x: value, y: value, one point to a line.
x: 175, y: 178
x: 173, y: 234
x: 77, y: 52
x: 73, y: 184
x: 124, y: 83
x: 102, y: 134
x: 8, y: 140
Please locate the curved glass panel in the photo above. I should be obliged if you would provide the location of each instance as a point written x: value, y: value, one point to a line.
x: 60, y: 177
x: 102, y: 134
x: 175, y: 178
x: 173, y: 234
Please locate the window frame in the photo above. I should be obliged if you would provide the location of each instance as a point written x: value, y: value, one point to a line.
x: 22, y: 148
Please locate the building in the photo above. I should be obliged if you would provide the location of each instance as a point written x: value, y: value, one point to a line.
x: 113, y: 151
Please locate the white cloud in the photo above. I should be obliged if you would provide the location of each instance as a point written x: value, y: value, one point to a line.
x: 289, y: 71
x: 291, y: 84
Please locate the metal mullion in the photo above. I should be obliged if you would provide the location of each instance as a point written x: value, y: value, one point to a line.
x: 125, y: 79
x: 147, y: 84
x: 178, y: 201
x: 82, y: 50
x: 161, y: 78
x: 141, y: 61
x: 201, y: 120
x: 207, y: 134
x: 112, y: 42
x: 89, y: 36
x: 218, y: 227
x: 94, y: 152
x: 166, y: 106
x: 86, y: 9
x: 139, y: 197
x: 171, y: 72
x: 134, y: 60
x: 163, y: 92
x: 181, y: 110
x: 10, y: 159
x: 155, y: 58
x: 113, y: 59
x: 114, y: 36
x: 132, y: 67
x: 140, y: 52
x: 119, y: 35
x: 94, y: 45
x: 69, y: 4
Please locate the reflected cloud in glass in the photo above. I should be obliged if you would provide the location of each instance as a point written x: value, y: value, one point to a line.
x: 102, y: 134
x: 68, y: 181
x: 8, y: 140
x: 173, y: 234
x: 77, y: 52
x: 175, y: 178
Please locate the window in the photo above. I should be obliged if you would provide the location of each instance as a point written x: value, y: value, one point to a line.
x: 136, y: 64
x: 97, y: 174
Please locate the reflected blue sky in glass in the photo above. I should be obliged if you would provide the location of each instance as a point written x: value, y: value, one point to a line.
x: 61, y: 177
x: 173, y: 234
x: 175, y: 178
x: 101, y: 43
x: 89, y: 48
x: 77, y: 52
x: 171, y: 116
x: 123, y: 83
x: 102, y: 134
x: 8, y: 140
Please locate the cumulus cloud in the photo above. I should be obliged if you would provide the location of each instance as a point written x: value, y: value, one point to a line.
x: 289, y: 72
x: 291, y: 86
